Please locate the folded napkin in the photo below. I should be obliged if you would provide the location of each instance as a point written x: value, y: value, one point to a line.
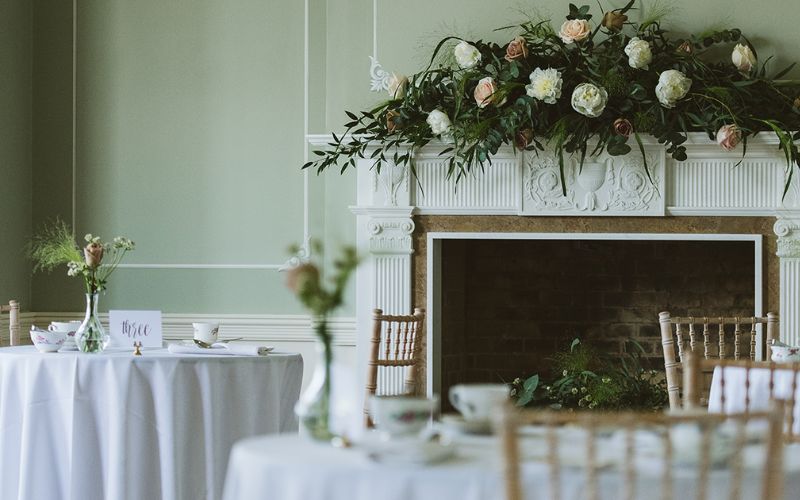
x: 222, y: 349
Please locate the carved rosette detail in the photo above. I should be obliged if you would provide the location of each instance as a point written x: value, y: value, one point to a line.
x: 603, y: 185
x: 788, y: 231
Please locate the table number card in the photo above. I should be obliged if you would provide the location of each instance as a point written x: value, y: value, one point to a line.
x: 128, y: 327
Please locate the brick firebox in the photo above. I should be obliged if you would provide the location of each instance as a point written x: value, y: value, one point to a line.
x: 508, y: 305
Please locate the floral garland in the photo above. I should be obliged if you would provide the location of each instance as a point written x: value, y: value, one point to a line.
x: 606, y: 83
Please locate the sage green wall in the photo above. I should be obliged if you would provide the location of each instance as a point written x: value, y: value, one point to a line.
x: 189, y: 139
x: 15, y: 148
x: 190, y: 125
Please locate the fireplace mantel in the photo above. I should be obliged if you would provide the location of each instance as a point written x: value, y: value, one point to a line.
x: 711, y: 182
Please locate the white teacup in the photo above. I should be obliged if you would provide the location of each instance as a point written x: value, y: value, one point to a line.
x: 70, y: 327
x: 401, y: 416
x: 477, y: 402
x: 206, y: 332
x: 67, y: 327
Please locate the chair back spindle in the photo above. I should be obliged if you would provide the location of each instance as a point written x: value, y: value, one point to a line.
x: 394, y: 354
x: 14, y: 328
x: 726, y: 327
x: 692, y: 436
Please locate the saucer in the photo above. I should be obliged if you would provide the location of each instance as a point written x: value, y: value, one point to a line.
x: 457, y: 423
x: 408, y: 451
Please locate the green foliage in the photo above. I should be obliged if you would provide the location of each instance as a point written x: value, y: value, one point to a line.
x: 589, y: 381
x: 720, y: 94
x: 53, y: 246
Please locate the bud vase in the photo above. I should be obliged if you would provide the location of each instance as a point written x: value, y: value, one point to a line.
x: 314, y: 407
x: 91, y: 336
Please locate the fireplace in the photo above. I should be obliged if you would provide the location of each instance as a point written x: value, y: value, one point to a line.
x: 401, y: 220
x: 507, y: 302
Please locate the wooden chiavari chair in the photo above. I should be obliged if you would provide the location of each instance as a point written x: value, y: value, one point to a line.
x: 394, y: 351
x: 693, y: 332
x: 667, y: 476
x: 13, y: 319
x: 747, y: 373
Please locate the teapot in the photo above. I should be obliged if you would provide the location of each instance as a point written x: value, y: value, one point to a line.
x: 784, y: 353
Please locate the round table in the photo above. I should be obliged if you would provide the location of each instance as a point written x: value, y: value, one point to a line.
x: 117, y: 426
x: 294, y: 468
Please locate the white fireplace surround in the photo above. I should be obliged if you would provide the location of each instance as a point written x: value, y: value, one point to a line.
x: 526, y: 184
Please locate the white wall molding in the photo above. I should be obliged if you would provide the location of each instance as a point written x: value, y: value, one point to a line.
x: 256, y: 327
x: 304, y: 252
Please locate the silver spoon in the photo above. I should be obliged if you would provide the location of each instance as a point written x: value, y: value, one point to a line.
x: 206, y: 345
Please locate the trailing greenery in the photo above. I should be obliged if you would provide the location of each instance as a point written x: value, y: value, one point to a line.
x: 611, y: 81
x: 588, y: 381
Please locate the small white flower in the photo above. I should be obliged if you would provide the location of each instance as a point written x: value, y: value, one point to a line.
x: 589, y: 100
x: 467, y: 55
x: 743, y: 58
x: 545, y: 85
x: 397, y: 86
x: 439, y: 122
x: 564, y: 373
x: 639, y: 53
x: 672, y: 87
x: 574, y: 390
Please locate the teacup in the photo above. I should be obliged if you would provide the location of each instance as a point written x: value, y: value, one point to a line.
x: 401, y: 416
x: 477, y: 402
x: 206, y: 332
x: 68, y: 327
x: 47, y: 340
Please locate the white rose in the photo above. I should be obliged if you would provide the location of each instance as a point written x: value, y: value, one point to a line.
x: 589, y: 100
x: 467, y: 56
x: 743, y: 58
x: 672, y: 87
x: 397, y: 86
x: 639, y: 53
x: 545, y: 85
x: 439, y: 122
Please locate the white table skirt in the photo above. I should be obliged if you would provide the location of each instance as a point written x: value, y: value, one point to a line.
x: 735, y: 378
x: 292, y: 468
x: 117, y: 427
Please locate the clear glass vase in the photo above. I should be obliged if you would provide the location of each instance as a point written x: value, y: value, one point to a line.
x: 314, y: 407
x: 91, y: 336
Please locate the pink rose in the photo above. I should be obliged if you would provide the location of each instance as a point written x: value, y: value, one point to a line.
x: 523, y: 138
x: 574, y: 30
x: 729, y: 136
x: 303, y: 278
x: 622, y: 127
x: 484, y: 92
x: 517, y: 49
x: 93, y: 254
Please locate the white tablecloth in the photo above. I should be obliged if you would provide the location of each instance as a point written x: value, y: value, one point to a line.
x: 117, y: 427
x: 735, y: 378
x: 291, y: 468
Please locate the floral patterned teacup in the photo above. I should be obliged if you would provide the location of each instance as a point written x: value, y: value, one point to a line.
x: 46, y: 340
x: 401, y: 416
